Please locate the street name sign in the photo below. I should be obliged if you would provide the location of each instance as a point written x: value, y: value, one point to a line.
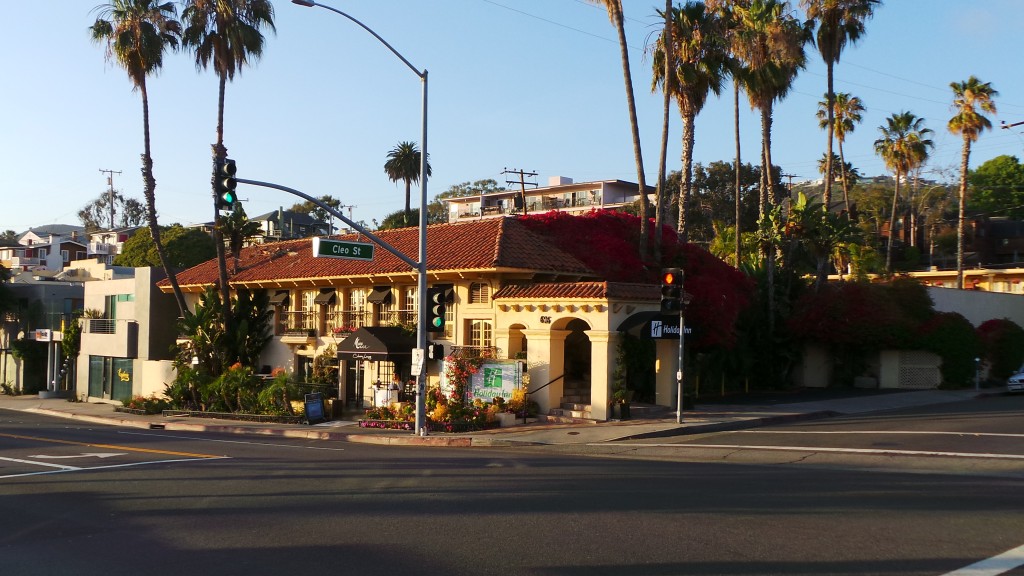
x: 324, y: 248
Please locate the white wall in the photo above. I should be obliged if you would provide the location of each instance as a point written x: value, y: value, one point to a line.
x: 978, y: 306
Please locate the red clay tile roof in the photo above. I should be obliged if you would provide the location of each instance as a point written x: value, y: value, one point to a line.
x: 498, y: 244
x: 580, y: 290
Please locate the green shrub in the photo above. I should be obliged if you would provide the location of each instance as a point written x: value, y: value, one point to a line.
x: 952, y: 337
x: 1003, y: 343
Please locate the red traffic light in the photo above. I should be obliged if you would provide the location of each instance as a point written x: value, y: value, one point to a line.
x: 672, y: 276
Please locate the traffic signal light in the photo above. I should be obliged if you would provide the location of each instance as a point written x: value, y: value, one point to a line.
x: 435, y: 351
x: 224, y: 183
x: 671, y: 290
x: 436, y: 308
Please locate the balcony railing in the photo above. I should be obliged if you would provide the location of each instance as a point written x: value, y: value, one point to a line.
x: 297, y: 322
x: 347, y: 321
x: 397, y: 317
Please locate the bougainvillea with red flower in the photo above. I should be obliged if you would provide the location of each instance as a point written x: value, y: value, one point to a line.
x: 606, y: 241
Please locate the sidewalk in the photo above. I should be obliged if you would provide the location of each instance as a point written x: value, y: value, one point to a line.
x: 705, y: 418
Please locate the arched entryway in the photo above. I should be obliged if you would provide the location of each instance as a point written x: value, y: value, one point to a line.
x: 576, y: 361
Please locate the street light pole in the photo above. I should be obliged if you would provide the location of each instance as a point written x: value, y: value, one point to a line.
x: 421, y: 265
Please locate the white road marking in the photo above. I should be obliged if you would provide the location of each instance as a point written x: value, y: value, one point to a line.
x: 82, y: 455
x: 62, y: 467
x: 823, y: 449
x: 844, y: 432
x: 230, y: 441
x: 75, y: 469
x: 995, y: 565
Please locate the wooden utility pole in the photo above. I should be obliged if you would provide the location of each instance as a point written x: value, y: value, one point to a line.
x: 110, y: 183
x: 522, y: 182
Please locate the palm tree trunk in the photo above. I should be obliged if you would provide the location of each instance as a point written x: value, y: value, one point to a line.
x: 641, y: 181
x: 686, y: 178
x: 149, y: 191
x: 892, y: 225
x: 220, y: 153
x: 960, y: 223
x: 659, y: 197
x: 766, y: 139
x: 408, y: 209
x: 846, y: 186
x: 831, y: 102
x: 736, y: 128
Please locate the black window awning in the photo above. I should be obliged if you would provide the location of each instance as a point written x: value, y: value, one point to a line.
x: 280, y: 298
x: 380, y: 295
x: 325, y: 297
x: 377, y: 343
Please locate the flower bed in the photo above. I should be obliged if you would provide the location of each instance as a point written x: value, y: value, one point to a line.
x: 277, y: 419
x: 387, y: 424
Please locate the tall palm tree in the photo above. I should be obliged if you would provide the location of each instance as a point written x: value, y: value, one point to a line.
x: 738, y: 68
x: 699, y: 69
x: 839, y: 22
x: 903, y: 147
x: 971, y: 101
x: 137, y: 33
x: 845, y: 114
x: 404, y: 164
x: 771, y: 41
x: 227, y: 35
x: 661, y: 194
x: 614, y: 8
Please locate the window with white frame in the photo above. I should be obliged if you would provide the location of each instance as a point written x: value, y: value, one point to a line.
x: 411, y: 305
x: 480, y: 333
x: 357, y: 308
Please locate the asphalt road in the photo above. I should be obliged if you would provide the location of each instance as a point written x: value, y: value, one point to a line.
x: 86, y: 499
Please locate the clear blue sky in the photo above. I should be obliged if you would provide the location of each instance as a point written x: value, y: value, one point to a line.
x: 531, y: 84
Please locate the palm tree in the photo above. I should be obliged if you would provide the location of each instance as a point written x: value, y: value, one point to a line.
x: 137, y: 33
x: 771, y: 41
x: 971, y: 101
x: 839, y: 22
x: 614, y: 8
x: 404, y: 164
x: 845, y: 114
x: 660, y: 196
x: 738, y: 68
x: 903, y: 146
x: 226, y: 34
x: 699, y: 69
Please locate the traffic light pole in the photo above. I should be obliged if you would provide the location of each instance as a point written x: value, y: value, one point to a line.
x: 679, y: 372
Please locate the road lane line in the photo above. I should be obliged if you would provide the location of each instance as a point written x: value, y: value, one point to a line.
x: 1000, y: 564
x: 110, y: 446
x: 821, y: 449
x: 48, y: 464
x: 126, y: 465
x: 936, y: 433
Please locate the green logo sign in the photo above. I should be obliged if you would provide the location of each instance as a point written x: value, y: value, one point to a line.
x: 492, y: 377
x: 324, y: 248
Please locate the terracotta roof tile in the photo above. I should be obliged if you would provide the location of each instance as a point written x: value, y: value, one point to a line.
x: 580, y: 290
x: 491, y: 244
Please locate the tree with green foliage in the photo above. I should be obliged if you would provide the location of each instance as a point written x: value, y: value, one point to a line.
x: 839, y: 22
x: 403, y: 164
x: 435, y: 215
x: 840, y: 118
x: 972, y: 99
x: 318, y: 213
x: 137, y: 33
x: 236, y: 229
x: 904, y: 146
x: 133, y: 212
x: 184, y: 248
x: 699, y: 68
x: 997, y: 187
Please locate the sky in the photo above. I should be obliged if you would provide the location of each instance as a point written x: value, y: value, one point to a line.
x: 534, y: 85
